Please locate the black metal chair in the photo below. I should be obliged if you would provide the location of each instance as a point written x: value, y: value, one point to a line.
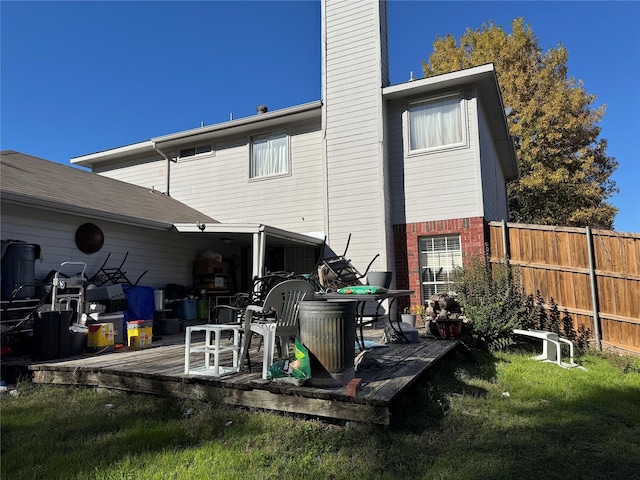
x: 235, y: 310
x: 333, y: 273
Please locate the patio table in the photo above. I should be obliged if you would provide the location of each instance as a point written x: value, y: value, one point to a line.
x: 361, y: 301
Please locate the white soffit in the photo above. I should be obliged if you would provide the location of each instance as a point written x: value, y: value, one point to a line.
x: 223, y: 229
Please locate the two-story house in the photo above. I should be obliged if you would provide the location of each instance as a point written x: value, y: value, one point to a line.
x: 412, y: 171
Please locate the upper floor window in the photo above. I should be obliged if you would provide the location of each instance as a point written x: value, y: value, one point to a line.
x: 193, y: 151
x: 269, y: 155
x: 436, y: 122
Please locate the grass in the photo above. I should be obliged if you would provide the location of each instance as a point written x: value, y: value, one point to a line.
x: 487, y: 417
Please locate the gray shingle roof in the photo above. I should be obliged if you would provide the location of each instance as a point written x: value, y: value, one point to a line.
x: 36, y: 181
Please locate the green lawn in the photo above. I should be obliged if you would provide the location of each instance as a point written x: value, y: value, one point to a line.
x: 488, y: 417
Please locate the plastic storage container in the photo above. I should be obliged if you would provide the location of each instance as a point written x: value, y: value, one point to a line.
x: 100, y: 337
x: 139, y: 334
x: 186, y: 309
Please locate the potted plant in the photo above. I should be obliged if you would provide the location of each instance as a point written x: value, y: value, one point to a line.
x: 410, y: 315
x: 446, y: 313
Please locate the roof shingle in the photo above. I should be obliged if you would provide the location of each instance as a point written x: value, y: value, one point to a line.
x: 34, y: 180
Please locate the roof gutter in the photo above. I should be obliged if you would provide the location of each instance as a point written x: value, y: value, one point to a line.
x: 306, y: 110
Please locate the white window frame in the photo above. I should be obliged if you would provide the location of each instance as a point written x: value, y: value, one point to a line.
x: 271, y: 137
x: 462, y: 109
x: 438, y: 258
x: 206, y: 149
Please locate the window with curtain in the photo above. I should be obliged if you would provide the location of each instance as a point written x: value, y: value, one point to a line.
x: 269, y: 155
x: 436, y: 123
x: 439, y: 257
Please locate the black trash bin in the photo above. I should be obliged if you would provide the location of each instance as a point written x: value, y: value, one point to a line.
x: 51, y: 336
x: 18, y: 270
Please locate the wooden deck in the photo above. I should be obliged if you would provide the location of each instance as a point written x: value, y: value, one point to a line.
x: 159, y: 370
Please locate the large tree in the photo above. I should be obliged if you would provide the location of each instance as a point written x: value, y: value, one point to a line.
x: 564, y: 167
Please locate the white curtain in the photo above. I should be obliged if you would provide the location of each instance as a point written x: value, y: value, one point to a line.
x: 435, y: 123
x: 269, y: 155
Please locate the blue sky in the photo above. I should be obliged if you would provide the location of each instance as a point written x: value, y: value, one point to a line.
x: 81, y: 77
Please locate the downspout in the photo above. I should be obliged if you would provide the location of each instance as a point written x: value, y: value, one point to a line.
x: 168, y: 160
x: 325, y: 164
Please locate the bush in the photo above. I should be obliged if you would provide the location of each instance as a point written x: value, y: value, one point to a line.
x: 555, y: 322
x: 494, y: 303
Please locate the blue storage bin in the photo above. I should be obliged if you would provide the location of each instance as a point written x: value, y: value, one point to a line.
x: 187, y: 309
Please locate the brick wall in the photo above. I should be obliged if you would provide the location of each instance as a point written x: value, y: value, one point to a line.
x: 473, y: 236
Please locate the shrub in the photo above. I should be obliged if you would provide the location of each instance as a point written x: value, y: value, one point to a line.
x: 494, y: 302
x: 553, y: 321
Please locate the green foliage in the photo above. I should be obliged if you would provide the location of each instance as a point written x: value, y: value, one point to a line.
x: 564, y: 166
x: 493, y: 301
x: 625, y: 364
x: 549, y: 318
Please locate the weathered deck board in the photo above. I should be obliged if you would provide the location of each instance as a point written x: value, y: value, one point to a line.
x: 160, y: 370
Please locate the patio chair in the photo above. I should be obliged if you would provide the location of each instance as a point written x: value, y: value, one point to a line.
x: 277, y: 317
x: 114, y: 275
x: 234, y: 311
x: 333, y: 273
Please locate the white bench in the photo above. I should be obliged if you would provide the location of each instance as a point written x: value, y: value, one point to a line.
x: 551, y: 349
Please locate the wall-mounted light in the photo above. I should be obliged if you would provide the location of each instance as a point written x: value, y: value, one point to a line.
x: 201, y: 226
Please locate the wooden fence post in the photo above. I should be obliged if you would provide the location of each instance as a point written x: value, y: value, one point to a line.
x: 594, y: 289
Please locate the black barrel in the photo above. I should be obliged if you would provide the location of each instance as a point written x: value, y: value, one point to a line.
x: 328, y: 330
x: 18, y: 270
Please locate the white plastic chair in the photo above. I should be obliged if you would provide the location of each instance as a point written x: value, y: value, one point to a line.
x: 277, y: 317
x: 551, y: 349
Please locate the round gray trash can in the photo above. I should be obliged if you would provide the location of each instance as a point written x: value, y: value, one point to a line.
x: 328, y: 330
x: 18, y: 270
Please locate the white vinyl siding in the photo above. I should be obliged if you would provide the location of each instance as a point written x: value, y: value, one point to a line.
x: 219, y: 186
x: 494, y: 189
x: 167, y: 257
x: 435, y: 185
x: 269, y: 155
x: 354, y: 64
x: 439, y: 257
x: 151, y: 174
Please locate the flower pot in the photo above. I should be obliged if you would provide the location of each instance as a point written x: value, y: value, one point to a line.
x: 449, y: 328
x: 380, y: 279
x: 409, y: 318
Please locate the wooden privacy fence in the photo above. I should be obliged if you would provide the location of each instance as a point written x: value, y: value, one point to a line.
x: 592, y: 274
